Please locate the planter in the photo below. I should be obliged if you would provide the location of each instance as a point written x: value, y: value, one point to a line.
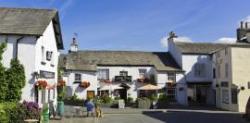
x: 60, y: 108
x: 45, y: 117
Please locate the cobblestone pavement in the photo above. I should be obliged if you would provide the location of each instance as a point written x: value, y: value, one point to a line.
x: 160, y: 116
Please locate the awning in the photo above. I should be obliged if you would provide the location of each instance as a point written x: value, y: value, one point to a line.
x: 110, y: 87
x: 149, y: 87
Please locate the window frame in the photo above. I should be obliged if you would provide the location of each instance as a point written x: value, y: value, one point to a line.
x: 78, y: 79
x: 100, y: 75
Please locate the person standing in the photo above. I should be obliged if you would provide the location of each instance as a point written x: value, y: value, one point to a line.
x: 90, y: 107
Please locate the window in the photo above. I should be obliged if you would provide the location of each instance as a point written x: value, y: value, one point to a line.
x: 199, y: 70
x: 225, y: 96
x: 248, y: 85
x: 49, y: 55
x: 226, y: 70
x: 214, y: 73
x: 171, y: 77
x: 218, y: 71
x: 103, y: 74
x: 42, y: 54
x: 142, y: 73
x: 123, y: 73
x: 78, y: 77
x: 234, y: 95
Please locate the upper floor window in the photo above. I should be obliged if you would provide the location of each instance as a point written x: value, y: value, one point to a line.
x: 226, y: 70
x: 200, y: 70
x: 78, y: 77
x: 123, y: 73
x: 42, y: 53
x: 49, y: 55
x: 218, y: 71
x: 103, y: 74
x: 214, y: 73
x: 171, y: 77
x: 142, y: 73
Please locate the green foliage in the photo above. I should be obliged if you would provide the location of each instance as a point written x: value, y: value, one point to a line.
x: 130, y: 100
x: 163, y: 98
x: 61, y: 93
x: 16, y: 81
x: 153, y: 97
x: 106, y: 99
x: 3, y: 82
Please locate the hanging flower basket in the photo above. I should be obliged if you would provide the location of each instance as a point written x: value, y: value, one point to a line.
x: 41, y: 84
x: 84, y: 84
x: 61, y: 83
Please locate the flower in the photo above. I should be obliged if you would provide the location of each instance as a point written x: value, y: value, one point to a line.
x: 84, y: 84
x: 42, y: 84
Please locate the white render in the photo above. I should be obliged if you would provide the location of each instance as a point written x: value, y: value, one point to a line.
x: 29, y: 54
x: 161, y: 79
x: 187, y: 63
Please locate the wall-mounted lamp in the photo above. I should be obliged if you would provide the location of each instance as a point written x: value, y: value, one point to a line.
x: 242, y: 88
x: 36, y: 75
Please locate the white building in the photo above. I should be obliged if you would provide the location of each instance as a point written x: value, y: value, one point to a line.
x: 196, y: 60
x: 34, y: 37
x: 232, y: 81
x: 116, y: 73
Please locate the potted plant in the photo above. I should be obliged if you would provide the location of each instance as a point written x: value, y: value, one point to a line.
x: 60, y: 97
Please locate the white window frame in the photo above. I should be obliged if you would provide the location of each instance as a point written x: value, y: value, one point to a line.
x: 103, y: 74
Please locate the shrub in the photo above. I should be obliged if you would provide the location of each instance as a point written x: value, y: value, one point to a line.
x: 3, y: 82
x: 153, y: 97
x: 163, y: 98
x: 106, y: 99
x: 16, y: 81
x: 130, y: 100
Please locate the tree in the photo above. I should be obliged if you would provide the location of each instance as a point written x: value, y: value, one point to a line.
x: 16, y: 80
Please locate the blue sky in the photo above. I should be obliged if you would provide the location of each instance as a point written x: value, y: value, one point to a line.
x: 141, y: 24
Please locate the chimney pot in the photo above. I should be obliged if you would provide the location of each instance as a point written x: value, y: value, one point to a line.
x: 241, y: 24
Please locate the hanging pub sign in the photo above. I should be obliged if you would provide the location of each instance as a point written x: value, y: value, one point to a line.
x: 47, y: 74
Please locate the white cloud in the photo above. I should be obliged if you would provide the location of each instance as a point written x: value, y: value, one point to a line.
x: 246, y: 19
x: 65, y: 6
x: 164, y: 40
x: 226, y: 40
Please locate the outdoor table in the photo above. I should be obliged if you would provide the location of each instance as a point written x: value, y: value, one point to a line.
x: 31, y: 121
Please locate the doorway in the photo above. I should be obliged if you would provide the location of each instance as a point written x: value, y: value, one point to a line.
x: 123, y: 94
x: 90, y: 94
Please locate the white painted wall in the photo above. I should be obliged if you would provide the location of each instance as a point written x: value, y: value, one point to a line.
x: 29, y: 55
x: 188, y: 66
x: 133, y: 71
x: 175, y: 52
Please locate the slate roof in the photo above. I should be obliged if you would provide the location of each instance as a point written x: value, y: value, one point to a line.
x: 205, y: 48
x: 29, y: 21
x: 89, y: 60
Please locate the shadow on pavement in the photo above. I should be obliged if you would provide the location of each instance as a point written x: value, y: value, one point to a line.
x: 196, y: 117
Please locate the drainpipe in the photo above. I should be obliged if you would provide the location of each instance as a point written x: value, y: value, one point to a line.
x: 17, y: 41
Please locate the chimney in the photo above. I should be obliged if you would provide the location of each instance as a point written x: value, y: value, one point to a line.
x: 242, y: 32
x: 73, y: 46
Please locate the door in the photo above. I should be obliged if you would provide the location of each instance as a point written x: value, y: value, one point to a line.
x: 90, y: 94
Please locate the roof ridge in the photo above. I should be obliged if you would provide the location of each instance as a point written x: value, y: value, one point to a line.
x: 26, y: 8
x: 121, y: 51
